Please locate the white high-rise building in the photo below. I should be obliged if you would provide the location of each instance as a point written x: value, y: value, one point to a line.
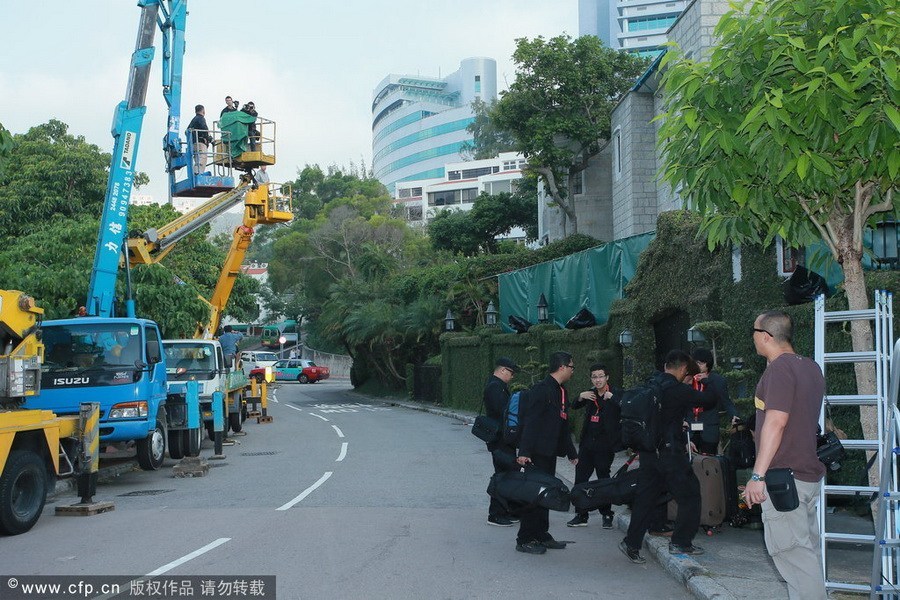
x: 419, y: 123
x: 637, y: 26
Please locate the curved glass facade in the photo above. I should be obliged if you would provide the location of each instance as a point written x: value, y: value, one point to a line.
x: 419, y: 123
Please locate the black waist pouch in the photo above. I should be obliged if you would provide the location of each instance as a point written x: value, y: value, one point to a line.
x: 782, y: 489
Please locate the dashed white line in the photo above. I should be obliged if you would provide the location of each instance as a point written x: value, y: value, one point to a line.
x: 307, y: 491
x: 187, y: 557
x: 339, y: 432
x: 319, y: 416
x: 294, y: 407
x: 343, y: 452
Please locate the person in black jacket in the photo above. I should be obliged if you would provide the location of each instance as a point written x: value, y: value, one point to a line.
x: 600, y: 436
x: 669, y: 465
x: 545, y: 435
x: 496, y: 397
x: 199, y: 137
x: 705, y: 423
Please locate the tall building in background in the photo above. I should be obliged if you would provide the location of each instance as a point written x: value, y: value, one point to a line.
x: 637, y: 26
x: 419, y: 123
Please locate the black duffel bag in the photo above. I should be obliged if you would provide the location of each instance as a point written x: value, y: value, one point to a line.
x: 520, y: 491
x: 618, y: 489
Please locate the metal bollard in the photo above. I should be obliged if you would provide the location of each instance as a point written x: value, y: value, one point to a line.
x: 89, y: 426
x: 218, y: 406
x: 264, y: 398
x: 192, y: 399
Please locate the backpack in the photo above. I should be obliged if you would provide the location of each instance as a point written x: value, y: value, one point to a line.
x: 741, y: 448
x: 512, y: 419
x: 640, y: 416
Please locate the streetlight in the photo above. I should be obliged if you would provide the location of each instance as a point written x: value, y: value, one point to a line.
x: 626, y: 338
x: 449, y: 321
x: 884, y: 242
x: 694, y: 335
x: 491, y: 313
x: 542, y: 309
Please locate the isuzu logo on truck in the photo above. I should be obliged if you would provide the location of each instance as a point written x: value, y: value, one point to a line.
x: 71, y: 380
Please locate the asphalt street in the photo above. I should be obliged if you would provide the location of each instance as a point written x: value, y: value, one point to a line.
x: 339, y: 497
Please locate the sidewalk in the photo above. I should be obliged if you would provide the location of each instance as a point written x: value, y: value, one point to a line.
x: 736, y: 563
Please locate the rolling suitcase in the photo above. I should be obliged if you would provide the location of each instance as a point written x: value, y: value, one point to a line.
x: 709, y: 472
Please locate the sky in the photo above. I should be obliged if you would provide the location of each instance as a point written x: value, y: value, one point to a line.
x: 309, y: 65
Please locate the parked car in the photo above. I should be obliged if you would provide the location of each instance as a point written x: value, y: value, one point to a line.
x: 257, y: 359
x: 294, y: 369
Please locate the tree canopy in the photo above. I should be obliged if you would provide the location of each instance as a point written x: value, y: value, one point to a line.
x: 474, y: 231
x: 791, y: 129
x: 558, y: 108
x: 50, y: 202
x: 487, y: 139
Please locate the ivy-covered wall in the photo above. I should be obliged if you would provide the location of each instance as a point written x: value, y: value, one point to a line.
x: 679, y: 282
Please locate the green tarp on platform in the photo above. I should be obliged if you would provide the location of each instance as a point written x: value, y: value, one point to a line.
x: 237, y: 123
x: 590, y: 279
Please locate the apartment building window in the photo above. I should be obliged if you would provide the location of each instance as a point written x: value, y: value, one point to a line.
x: 414, y: 213
x: 617, y: 153
x: 478, y: 84
x: 468, y: 195
x: 509, y: 165
x: 788, y: 258
x: 578, y: 183
x: 443, y: 198
x: 404, y: 193
x: 498, y: 187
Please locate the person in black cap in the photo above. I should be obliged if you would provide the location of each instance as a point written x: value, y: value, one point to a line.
x: 496, y: 397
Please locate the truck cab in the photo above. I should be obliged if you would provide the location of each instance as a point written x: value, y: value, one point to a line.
x: 204, y: 362
x: 117, y: 362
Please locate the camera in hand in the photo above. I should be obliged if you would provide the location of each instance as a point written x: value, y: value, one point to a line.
x: 830, y: 450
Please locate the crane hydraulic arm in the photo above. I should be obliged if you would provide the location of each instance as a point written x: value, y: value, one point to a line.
x: 265, y: 204
x: 169, y: 16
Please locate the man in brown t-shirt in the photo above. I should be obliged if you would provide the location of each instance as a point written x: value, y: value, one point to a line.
x: 788, y: 401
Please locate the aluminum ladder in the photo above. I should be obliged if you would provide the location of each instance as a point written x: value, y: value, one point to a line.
x: 881, y: 316
x: 887, y: 524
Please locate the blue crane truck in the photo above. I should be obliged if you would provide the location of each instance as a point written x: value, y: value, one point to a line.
x: 118, y: 361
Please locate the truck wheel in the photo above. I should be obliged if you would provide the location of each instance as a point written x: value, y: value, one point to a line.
x: 151, y: 451
x: 234, y: 421
x: 192, y: 441
x: 176, y: 444
x: 23, y: 491
x: 302, y: 378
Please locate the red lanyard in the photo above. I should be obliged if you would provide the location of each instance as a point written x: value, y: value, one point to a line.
x: 698, y: 385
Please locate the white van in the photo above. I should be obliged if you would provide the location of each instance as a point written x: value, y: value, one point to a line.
x: 253, y: 359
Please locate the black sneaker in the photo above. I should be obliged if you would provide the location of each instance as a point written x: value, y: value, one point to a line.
x: 607, y: 522
x: 691, y: 550
x: 553, y: 544
x: 499, y: 522
x: 578, y: 521
x: 632, y: 554
x: 532, y: 547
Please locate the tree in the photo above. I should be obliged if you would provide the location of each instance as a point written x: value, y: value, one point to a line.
x: 558, y: 109
x: 6, y: 146
x: 487, y: 140
x: 791, y: 129
x: 492, y: 215
x: 50, y: 173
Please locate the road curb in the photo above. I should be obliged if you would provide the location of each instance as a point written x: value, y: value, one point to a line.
x: 68, y: 485
x: 694, y: 576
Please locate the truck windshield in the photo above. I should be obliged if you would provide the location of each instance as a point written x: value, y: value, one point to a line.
x: 92, y: 346
x: 190, y: 361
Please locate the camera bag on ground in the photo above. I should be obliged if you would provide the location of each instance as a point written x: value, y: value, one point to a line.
x: 718, y: 490
x: 512, y: 418
x: 520, y: 491
x: 618, y: 489
x: 640, y: 415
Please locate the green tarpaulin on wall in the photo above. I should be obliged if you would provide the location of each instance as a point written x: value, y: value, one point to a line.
x: 590, y: 279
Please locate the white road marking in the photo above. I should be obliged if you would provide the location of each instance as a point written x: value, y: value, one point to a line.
x: 294, y: 407
x: 319, y: 416
x: 343, y: 452
x: 339, y: 432
x: 307, y: 491
x: 187, y: 557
